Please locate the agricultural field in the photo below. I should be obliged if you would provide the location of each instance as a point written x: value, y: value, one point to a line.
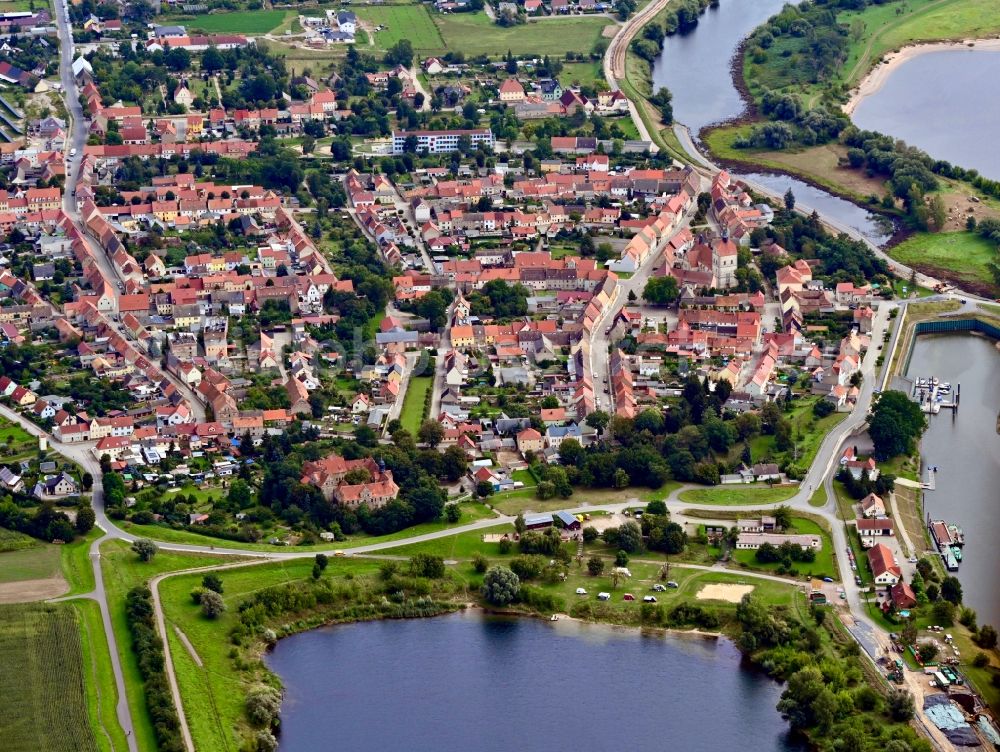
x: 476, y: 34
x: 42, y: 680
x: 31, y: 573
x: 411, y: 22
x: 235, y: 22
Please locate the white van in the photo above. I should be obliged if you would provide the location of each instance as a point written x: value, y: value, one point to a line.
x: 72, y: 153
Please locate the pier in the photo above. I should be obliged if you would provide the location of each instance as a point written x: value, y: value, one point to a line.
x: 934, y: 395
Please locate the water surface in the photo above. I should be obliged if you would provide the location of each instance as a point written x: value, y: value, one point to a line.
x: 876, y: 228
x: 966, y: 450
x: 946, y: 102
x: 696, y: 66
x: 467, y: 682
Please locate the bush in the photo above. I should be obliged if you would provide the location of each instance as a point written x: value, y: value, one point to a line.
x: 480, y: 563
x: 527, y: 567
x: 149, y: 654
x: 426, y: 565
x: 590, y: 534
x: 212, y: 605
x: 145, y: 548
x: 981, y: 660
x: 595, y: 566
x: 501, y: 586
x: 196, y: 594
x: 263, y: 704
x: 212, y: 581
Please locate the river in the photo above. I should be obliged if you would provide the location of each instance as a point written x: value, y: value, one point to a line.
x: 467, y: 681
x: 696, y: 67
x: 966, y: 450
x: 926, y: 101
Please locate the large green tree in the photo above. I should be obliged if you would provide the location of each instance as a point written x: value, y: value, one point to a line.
x: 660, y: 290
x: 896, y: 424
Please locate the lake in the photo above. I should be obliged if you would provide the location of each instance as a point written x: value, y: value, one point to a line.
x: 467, y: 681
x: 966, y: 450
x: 947, y: 102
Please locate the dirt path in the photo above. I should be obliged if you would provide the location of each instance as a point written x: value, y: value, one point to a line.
x: 32, y: 590
x: 188, y: 646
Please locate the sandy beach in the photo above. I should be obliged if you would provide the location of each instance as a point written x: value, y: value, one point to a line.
x: 878, y: 75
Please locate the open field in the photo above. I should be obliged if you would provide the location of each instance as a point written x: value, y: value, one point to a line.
x: 411, y: 22
x: 123, y: 571
x: 880, y: 29
x: 476, y: 34
x: 41, y: 680
x: 412, y: 414
x: 214, y: 692
x: 819, y: 164
x: 921, y: 20
x: 738, y: 494
x: 234, y: 22
x: 961, y: 255
x: 31, y: 574
x: 524, y: 500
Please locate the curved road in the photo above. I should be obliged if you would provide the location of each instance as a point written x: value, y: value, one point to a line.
x: 614, y: 61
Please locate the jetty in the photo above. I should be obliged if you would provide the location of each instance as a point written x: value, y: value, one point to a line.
x: 934, y: 395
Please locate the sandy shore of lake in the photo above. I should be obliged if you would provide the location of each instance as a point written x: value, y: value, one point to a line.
x: 878, y: 75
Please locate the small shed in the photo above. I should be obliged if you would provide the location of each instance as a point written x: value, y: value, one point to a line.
x: 569, y: 522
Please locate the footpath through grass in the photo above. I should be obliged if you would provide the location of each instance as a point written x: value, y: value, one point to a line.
x: 99, y: 678
x: 44, y: 703
x: 122, y: 571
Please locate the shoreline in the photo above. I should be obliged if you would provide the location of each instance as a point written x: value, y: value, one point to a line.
x: 876, y: 78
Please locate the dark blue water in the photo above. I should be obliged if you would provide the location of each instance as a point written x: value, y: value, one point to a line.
x: 467, y: 682
x: 946, y: 102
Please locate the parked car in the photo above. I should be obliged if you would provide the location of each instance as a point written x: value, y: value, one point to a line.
x: 628, y: 597
x: 604, y: 596
x: 649, y: 599
x: 659, y: 588
x: 671, y: 583
x: 827, y: 579
x: 581, y: 591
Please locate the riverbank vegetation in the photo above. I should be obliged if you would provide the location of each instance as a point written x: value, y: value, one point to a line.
x: 798, y: 69
x: 831, y: 695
